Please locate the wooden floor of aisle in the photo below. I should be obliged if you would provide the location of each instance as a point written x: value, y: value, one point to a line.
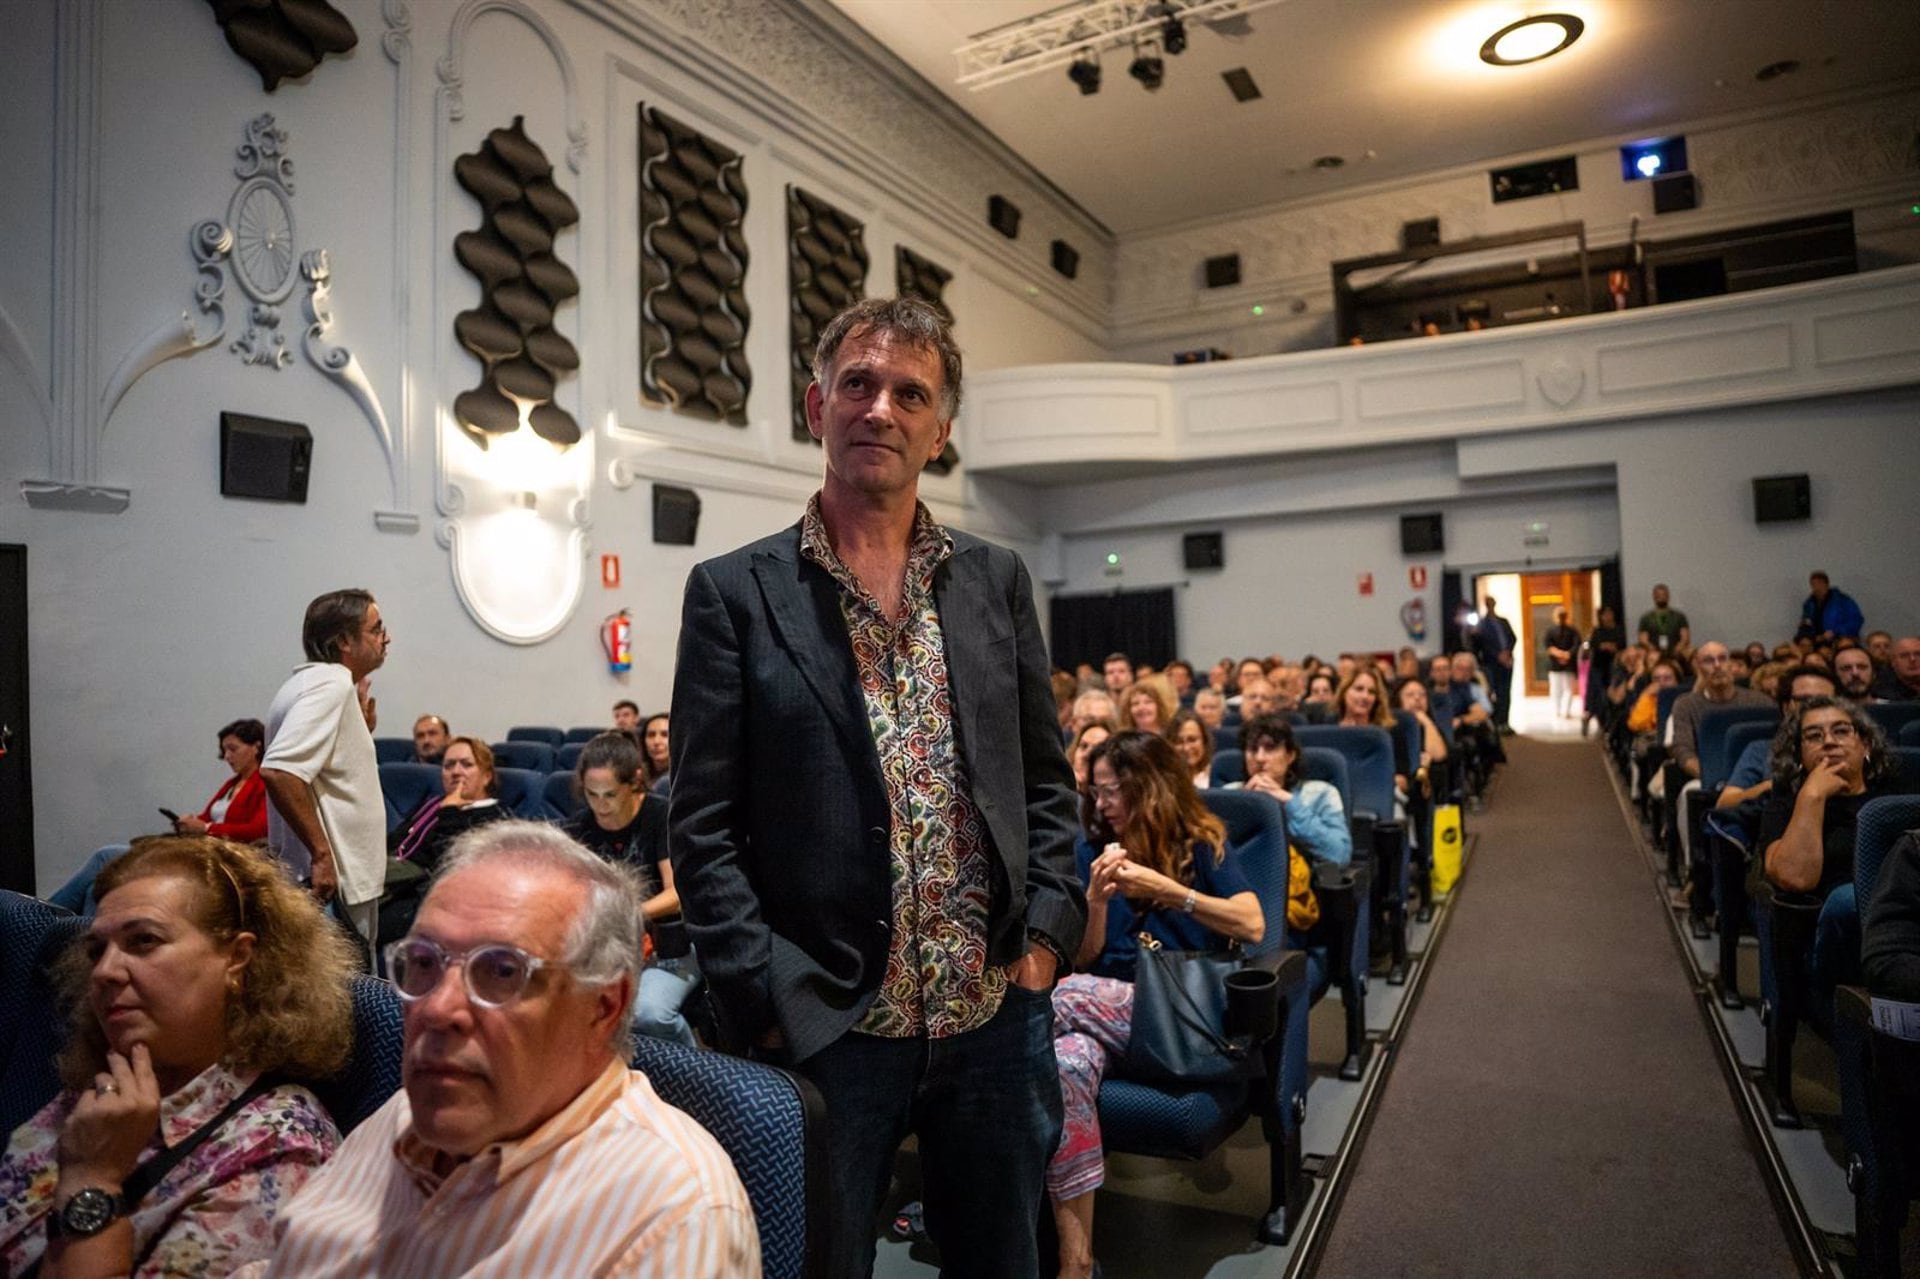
x: 1557, y: 1107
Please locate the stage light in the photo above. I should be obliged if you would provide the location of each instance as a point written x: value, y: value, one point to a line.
x: 1531, y: 39
x: 1148, y: 67
x: 1648, y: 164
x: 1085, y: 72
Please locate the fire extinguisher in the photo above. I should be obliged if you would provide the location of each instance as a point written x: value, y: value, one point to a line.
x: 616, y: 638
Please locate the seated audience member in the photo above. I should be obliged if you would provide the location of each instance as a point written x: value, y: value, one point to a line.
x: 1853, y: 668
x: 1249, y: 668
x: 237, y: 811
x: 1757, y: 655
x: 626, y: 716
x: 206, y: 986
x: 1180, y: 679
x: 1317, y: 705
x: 1193, y: 741
x: 1604, y: 646
x: 466, y: 800
x: 1476, y: 743
x: 1828, y: 614
x: 1752, y: 775
x: 1149, y: 704
x: 1256, y: 698
x: 1065, y: 689
x: 1890, y: 925
x: 1289, y: 685
x: 1832, y: 759
x: 1742, y: 673
x: 1116, y: 673
x: 656, y: 746
x: 1410, y: 695
x: 1210, y: 704
x: 430, y: 737
x: 1900, y: 681
x: 1083, y: 743
x: 1767, y: 676
x: 1220, y: 675
x: 1085, y: 677
x: 1407, y: 664
x: 1316, y: 819
x: 521, y: 1142
x: 1164, y: 869
x: 1361, y: 701
x: 1095, y: 706
x: 1713, y: 688
x: 1645, y: 716
x: 1879, y: 646
x: 625, y: 824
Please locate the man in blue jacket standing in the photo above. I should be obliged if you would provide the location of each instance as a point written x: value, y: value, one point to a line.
x: 1828, y: 614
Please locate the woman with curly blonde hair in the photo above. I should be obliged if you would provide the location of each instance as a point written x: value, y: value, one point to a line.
x: 204, y: 986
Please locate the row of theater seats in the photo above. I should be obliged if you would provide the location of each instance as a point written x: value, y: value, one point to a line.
x: 538, y: 797
x: 1797, y: 936
x: 770, y: 1122
x: 538, y: 750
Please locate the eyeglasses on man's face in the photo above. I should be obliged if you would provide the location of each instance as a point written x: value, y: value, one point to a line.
x: 496, y: 974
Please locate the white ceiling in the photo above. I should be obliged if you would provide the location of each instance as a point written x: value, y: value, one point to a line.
x: 1395, y: 87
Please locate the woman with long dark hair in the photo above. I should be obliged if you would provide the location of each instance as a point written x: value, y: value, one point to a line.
x: 1163, y: 868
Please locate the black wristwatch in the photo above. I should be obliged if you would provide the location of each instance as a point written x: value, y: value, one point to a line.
x: 86, y: 1214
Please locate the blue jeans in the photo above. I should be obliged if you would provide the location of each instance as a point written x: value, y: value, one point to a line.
x: 986, y: 1108
x: 76, y: 894
x: 664, y: 988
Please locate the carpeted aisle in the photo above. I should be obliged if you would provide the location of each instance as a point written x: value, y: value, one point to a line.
x: 1557, y: 1108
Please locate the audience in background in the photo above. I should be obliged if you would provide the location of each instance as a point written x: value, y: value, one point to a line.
x: 626, y: 716
x: 1829, y: 614
x: 1410, y: 695
x: 1900, y: 682
x: 1879, y: 646
x: 1095, y: 706
x: 1065, y: 689
x: 1149, y: 704
x: 1713, y: 687
x: 204, y: 988
x: 1664, y: 629
x: 1752, y: 775
x: 1256, y: 698
x: 1210, y: 704
x: 1180, y: 678
x: 430, y: 736
x: 517, y: 1103
x: 656, y: 747
x: 1117, y: 672
x: 1890, y: 929
x: 1083, y: 743
x: 1853, y: 668
x: 1362, y: 702
x: 1494, y: 641
x: 467, y: 799
x: 1604, y: 646
x: 1316, y: 819
x: 1562, y: 643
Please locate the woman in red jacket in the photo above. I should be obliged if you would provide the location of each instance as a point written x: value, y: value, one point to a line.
x: 238, y: 810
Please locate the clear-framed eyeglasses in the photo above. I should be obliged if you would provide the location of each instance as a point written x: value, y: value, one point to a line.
x: 1818, y: 735
x: 496, y: 974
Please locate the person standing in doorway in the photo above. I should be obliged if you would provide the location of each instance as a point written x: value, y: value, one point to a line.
x: 1563, y: 653
x: 1665, y: 629
x: 888, y: 916
x: 1494, y: 640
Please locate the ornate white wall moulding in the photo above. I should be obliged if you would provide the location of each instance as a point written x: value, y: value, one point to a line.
x: 514, y: 516
x: 344, y: 368
x: 260, y: 224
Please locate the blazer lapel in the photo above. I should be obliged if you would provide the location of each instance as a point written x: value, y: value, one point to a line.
x: 967, y: 611
x: 803, y: 606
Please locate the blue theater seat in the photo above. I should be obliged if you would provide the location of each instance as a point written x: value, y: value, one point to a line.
x: 583, y: 734
x: 553, y: 737
x: 562, y: 797
x: 523, y: 793
x: 1893, y: 716
x: 1909, y: 733
x: 393, y: 750
x: 568, y: 756
x: 1169, y: 1121
x: 1377, y: 833
x: 1344, y: 933
x: 1228, y: 767
x: 373, y: 1068
x: 405, y: 787
x: 33, y: 934
x: 535, y: 757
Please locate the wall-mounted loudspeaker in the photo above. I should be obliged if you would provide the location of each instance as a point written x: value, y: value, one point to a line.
x: 1422, y: 535
x: 676, y: 515
x: 1066, y: 259
x: 1003, y: 215
x: 1423, y: 234
x: 1204, y: 550
x: 265, y: 459
x: 1223, y: 270
x: 1675, y: 193
x: 1781, y: 497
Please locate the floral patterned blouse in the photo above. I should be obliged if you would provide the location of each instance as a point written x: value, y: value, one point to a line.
x: 937, y: 980
x: 214, y: 1211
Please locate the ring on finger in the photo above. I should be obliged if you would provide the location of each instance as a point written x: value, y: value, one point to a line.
x: 105, y: 1088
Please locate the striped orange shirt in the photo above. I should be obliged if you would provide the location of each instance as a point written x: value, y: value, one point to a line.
x: 619, y: 1183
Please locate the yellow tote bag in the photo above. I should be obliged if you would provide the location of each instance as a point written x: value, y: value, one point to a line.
x: 1447, y: 847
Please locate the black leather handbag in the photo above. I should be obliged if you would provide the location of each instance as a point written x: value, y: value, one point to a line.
x: 1181, y: 1023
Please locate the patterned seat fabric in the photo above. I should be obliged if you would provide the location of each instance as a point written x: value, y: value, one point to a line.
x: 771, y: 1124
x: 32, y: 935
x: 373, y: 1071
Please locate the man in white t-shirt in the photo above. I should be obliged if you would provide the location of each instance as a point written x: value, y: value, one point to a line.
x: 327, y: 821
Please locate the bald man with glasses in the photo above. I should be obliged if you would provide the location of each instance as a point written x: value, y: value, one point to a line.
x: 521, y: 1142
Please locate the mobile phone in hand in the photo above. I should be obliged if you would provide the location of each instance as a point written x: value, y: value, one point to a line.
x: 170, y: 815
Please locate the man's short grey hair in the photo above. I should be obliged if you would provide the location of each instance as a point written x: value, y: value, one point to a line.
x: 606, y: 937
x: 907, y: 320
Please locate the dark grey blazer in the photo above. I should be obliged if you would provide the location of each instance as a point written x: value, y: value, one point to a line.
x: 778, y: 817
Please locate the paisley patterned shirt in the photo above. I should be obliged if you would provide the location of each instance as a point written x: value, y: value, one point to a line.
x: 938, y: 982
x: 215, y: 1210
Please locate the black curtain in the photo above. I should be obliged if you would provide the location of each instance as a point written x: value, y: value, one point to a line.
x: 1450, y: 597
x: 1138, y: 623
x: 1610, y: 591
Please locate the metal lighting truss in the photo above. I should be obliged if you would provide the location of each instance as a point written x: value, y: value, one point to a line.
x: 1058, y: 36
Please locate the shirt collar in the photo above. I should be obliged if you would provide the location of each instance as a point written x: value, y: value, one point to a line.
x: 207, y: 1094
x: 928, y: 546
x: 430, y: 1167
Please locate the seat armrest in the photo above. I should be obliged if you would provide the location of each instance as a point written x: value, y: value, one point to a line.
x: 1853, y: 1005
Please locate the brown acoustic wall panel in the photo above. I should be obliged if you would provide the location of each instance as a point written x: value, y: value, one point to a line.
x: 693, y: 272
x: 916, y: 277
x: 522, y: 285
x: 283, y: 39
x: 827, y: 272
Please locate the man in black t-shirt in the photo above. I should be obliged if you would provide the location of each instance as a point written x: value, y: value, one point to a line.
x: 1563, y: 676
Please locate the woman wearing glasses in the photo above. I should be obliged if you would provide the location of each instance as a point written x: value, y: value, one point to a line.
x: 205, y: 984
x: 1163, y: 869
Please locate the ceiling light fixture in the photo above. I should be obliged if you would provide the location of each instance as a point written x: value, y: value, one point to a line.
x: 1085, y: 72
x: 1173, y: 32
x: 1148, y: 67
x: 1069, y: 31
x: 1532, y: 38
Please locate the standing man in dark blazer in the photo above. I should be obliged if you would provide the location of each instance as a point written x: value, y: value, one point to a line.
x: 872, y: 821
